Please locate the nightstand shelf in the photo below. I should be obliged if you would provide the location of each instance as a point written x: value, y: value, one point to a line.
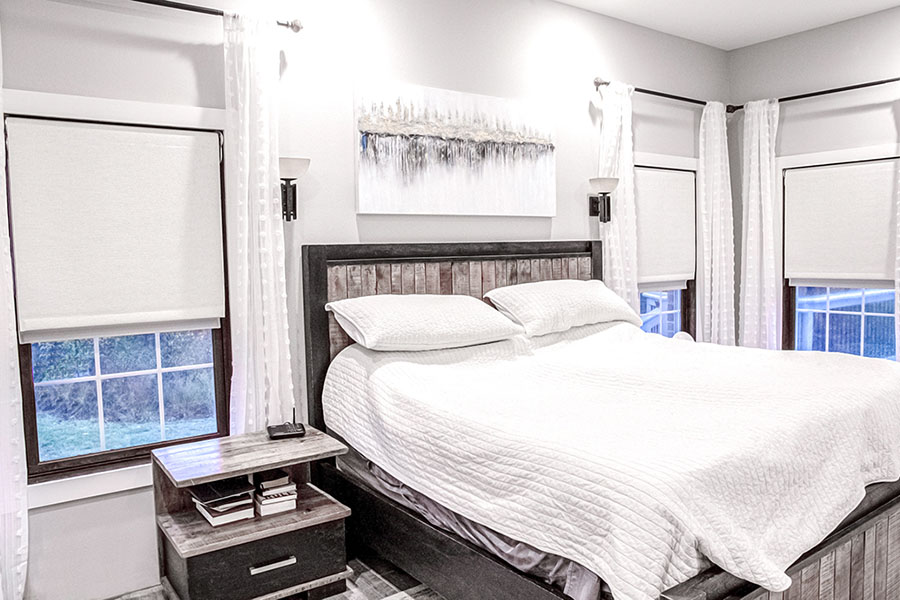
x: 264, y: 558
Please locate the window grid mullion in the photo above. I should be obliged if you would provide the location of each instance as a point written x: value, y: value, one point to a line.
x: 159, y: 389
x: 99, y: 383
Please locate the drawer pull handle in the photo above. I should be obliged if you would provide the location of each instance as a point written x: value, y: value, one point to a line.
x: 290, y: 560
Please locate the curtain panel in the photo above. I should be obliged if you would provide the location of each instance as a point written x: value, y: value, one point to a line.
x: 715, y: 273
x: 261, y: 387
x: 619, y: 235
x: 760, y: 281
x: 13, y: 468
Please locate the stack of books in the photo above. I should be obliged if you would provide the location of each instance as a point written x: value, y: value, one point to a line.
x: 275, y: 492
x: 224, y: 501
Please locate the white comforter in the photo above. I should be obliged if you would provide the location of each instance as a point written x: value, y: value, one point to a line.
x: 637, y: 456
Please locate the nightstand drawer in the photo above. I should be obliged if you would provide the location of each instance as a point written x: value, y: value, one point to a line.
x: 260, y: 567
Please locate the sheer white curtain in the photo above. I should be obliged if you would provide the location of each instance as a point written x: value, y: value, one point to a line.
x: 760, y: 282
x: 715, y: 252
x: 261, y: 387
x: 617, y: 160
x: 13, y: 471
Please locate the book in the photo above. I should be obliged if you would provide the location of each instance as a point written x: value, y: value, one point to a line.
x: 264, y: 510
x: 220, y: 490
x: 276, y: 498
x: 226, y: 503
x: 216, y: 519
x: 272, y: 478
x: 291, y: 487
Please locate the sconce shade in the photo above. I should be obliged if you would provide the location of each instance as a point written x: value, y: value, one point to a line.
x: 292, y: 168
x: 603, y: 185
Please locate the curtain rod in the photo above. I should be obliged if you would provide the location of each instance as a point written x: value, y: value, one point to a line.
x: 294, y: 25
x: 598, y: 82
x: 858, y: 86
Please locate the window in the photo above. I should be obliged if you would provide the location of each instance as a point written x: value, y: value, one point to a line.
x: 120, y: 289
x: 107, y: 393
x: 661, y: 312
x: 849, y: 320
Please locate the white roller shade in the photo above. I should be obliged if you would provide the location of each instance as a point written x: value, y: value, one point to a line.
x: 115, y: 228
x: 666, y: 227
x: 839, y: 222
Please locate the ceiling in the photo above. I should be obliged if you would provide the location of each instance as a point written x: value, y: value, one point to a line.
x: 731, y: 24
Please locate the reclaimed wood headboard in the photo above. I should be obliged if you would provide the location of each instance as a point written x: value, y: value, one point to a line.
x: 335, y: 272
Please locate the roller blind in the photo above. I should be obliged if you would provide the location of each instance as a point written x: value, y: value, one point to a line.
x: 115, y: 229
x: 839, y: 222
x: 666, y: 230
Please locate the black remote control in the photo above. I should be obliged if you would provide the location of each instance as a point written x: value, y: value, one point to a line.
x: 286, y: 430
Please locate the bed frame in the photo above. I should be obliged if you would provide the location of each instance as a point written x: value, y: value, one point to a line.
x: 859, y: 561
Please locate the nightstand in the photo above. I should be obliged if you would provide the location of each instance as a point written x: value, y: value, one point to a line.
x: 297, y: 554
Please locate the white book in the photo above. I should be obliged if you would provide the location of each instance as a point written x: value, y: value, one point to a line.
x: 276, y: 498
x: 264, y: 510
x: 216, y: 520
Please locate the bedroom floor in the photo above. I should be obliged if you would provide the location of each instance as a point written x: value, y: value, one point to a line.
x: 373, y: 579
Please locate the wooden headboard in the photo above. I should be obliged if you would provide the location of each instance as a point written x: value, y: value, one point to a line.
x: 334, y: 272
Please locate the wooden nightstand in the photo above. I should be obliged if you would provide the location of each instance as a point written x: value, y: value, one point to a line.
x: 297, y: 554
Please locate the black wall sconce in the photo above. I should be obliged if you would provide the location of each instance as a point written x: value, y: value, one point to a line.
x: 290, y: 170
x: 599, y: 204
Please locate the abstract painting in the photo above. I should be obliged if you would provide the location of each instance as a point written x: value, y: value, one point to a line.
x: 431, y: 151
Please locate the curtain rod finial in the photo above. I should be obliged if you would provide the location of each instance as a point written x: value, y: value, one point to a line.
x: 294, y: 25
x: 599, y: 82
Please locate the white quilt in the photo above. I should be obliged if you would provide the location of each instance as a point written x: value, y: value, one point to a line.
x: 635, y: 455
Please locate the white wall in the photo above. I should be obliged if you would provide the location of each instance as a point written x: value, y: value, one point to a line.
x: 855, y: 51
x: 99, y: 547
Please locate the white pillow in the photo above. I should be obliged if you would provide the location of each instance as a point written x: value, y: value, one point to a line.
x: 421, y: 321
x: 546, y: 307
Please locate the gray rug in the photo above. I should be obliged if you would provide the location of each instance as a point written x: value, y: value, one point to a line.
x: 372, y: 579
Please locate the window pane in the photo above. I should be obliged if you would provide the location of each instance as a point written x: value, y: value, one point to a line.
x: 127, y: 353
x: 844, y: 333
x: 183, y: 348
x: 670, y: 324
x: 131, y: 411
x: 879, y: 342
x: 880, y: 301
x: 810, y: 331
x: 843, y: 299
x: 62, y: 360
x: 811, y: 298
x: 190, y: 403
x: 67, y: 419
x: 650, y: 301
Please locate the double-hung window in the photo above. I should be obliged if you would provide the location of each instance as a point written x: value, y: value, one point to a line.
x: 665, y: 205
x: 117, y: 244
x: 839, y: 258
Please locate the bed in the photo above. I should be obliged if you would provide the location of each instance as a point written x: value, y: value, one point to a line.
x: 857, y: 560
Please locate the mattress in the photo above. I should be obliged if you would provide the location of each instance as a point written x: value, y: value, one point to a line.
x: 639, y: 457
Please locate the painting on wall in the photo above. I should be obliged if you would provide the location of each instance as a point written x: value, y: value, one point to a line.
x: 429, y: 151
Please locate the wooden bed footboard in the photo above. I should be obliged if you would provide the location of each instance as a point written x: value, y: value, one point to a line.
x: 861, y: 561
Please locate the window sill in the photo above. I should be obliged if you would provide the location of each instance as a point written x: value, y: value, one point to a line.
x: 91, y: 485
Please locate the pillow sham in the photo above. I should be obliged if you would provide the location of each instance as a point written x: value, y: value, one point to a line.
x: 544, y: 307
x: 420, y: 322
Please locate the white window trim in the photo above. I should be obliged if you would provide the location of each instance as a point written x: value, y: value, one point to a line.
x: 65, y: 106
x: 92, y: 485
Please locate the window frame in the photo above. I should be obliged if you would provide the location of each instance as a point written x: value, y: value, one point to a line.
x: 688, y: 314
x: 39, y: 470
x: 789, y: 308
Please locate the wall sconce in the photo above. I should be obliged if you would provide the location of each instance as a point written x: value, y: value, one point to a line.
x: 290, y: 170
x: 598, y: 199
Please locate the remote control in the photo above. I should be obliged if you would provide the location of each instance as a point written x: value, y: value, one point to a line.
x: 286, y: 430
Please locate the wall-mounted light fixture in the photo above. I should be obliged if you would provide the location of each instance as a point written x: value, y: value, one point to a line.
x: 598, y: 199
x: 290, y: 170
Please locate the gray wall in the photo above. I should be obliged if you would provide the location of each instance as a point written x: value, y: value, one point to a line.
x: 538, y: 49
